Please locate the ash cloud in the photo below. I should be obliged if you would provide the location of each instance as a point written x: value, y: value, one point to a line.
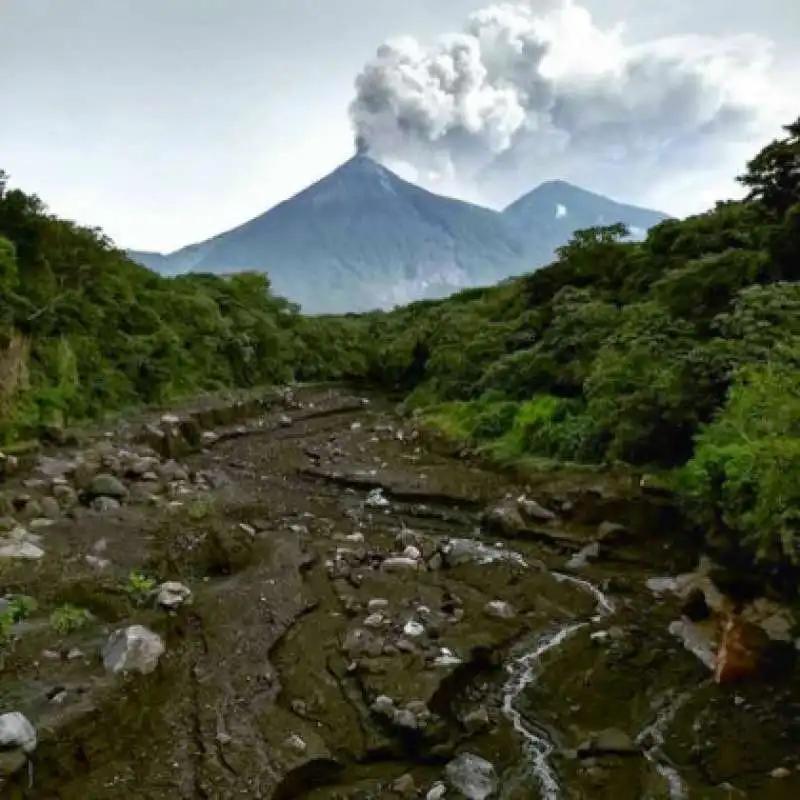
x: 531, y: 91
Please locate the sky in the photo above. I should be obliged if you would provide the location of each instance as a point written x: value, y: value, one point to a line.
x: 166, y: 122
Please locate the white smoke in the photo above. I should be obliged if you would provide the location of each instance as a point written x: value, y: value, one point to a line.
x: 531, y: 91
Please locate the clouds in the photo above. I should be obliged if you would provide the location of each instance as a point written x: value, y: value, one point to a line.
x: 529, y: 91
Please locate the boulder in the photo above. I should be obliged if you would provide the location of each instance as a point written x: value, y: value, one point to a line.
x: 133, y: 649
x: 20, y: 544
x: 535, y: 511
x: 581, y: 559
x: 172, y: 595
x: 505, y: 519
x: 16, y: 732
x: 611, y: 532
x: 17, y: 742
x: 473, y: 776
x: 499, y: 609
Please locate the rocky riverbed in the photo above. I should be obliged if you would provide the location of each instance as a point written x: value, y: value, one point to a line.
x: 297, y: 596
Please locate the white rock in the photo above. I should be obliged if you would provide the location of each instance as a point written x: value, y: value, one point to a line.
x: 436, y: 792
x: 412, y: 628
x: 374, y: 621
x: 297, y: 743
x: 378, y: 604
x: 375, y: 499
x: 534, y: 510
x: 133, y: 649
x: 41, y: 522
x: 20, y: 534
x: 661, y: 585
x: 172, y: 594
x: 399, y: 563
x: 473, y: 776
x: 97, y: 562
x: 499, y: 609
x: 16, y: 732
x: 20, y: 549
x: 405, y: 719
x: 446, y: 658
x: 383, y: 705
x: 780, y: 772
x: 584, y: 557
x: 412, y: 552
x: 697, y: 639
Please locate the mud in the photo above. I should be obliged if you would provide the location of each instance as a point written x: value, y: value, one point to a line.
x: 339, y: 644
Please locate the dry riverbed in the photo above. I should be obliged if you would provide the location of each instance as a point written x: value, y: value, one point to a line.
x: 297, y: 597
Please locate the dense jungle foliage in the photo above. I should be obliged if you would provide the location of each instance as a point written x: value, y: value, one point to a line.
x: 680, y: 353
x: 85, y: 331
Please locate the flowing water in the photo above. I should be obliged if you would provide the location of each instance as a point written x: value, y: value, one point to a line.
x: 523, y: 671
x: 652, y: 739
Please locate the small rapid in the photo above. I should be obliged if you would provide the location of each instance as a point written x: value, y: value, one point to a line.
x: 523, y: 671
x: 651, y: 739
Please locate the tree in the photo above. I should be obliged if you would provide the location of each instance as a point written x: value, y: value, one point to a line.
x: 773, y: 176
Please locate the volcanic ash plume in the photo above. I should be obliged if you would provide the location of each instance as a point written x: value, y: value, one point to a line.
x: 530, y: 91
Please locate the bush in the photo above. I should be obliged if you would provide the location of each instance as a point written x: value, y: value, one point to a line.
x: 745, y: 472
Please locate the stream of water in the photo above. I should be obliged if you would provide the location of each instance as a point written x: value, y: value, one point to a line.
x: 652, y: 739
x: 538, y: 746
x: 523, y: 672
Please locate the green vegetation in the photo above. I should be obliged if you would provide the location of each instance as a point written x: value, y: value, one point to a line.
x: 140, y: 588
x: 199, y: 508
x: 15, y: 609
x: 69, y: 618
x: 84, y: 331
x: 680, y: 353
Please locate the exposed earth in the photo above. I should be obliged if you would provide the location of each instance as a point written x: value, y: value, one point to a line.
x: 301, y: 596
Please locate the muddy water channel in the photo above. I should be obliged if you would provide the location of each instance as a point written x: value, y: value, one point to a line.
x: 361, y: 617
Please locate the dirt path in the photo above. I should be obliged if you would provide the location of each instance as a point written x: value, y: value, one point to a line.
x: 349, y: 625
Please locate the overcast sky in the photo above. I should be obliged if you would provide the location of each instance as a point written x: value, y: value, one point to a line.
x: 168, y: 121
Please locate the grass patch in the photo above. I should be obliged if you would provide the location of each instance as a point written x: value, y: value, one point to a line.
x: 69, y: 618
x: 543, y: 433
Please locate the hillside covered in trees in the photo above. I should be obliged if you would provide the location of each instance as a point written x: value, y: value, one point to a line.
x: 679, y: 353
x: 85, y: 331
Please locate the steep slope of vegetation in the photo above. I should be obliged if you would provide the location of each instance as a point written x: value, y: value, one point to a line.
x: 84, y: 330
x: 681, y: 352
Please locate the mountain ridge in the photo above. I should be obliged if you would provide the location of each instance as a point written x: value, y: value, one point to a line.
x: 362, y: 237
